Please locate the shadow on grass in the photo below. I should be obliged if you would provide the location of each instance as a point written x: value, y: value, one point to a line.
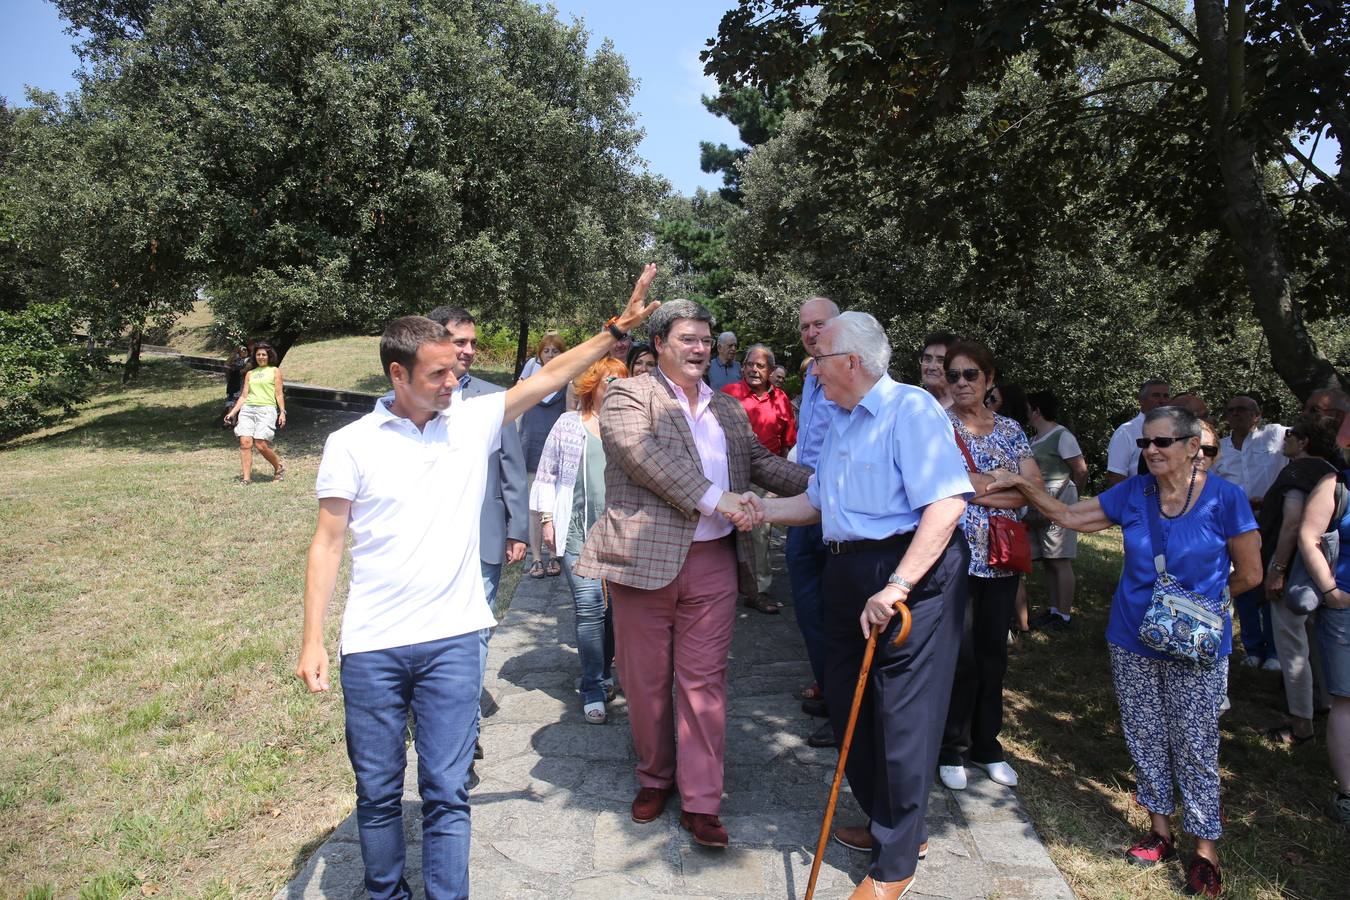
x: 150, y: 415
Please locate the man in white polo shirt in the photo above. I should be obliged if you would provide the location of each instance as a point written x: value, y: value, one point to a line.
x: 1123, y: 456
x: 408, y: 481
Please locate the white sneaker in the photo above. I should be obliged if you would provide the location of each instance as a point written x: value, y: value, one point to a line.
x: 1250, y: 662
x: 954, y: 777
x: 1000, y: 772
x: 1271, y: 665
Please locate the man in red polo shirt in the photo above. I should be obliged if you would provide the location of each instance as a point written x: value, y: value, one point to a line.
x: 772, y: 420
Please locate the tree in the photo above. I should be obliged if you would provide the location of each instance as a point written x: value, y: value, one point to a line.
x: 691, y: 244
x: 757, y: 117
x: 368, y: 159
x: 1202, y: 125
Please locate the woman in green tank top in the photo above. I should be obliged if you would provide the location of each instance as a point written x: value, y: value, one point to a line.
x: 259, y: 412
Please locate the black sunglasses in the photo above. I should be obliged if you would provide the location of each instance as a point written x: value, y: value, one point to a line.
x: 1160, y: 442
x: 955, y: 375
x: 1209, y: 450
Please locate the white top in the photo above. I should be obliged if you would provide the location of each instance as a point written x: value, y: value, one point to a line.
x: 414, y: 521
x: 1122, y: 454
x: 1255, y: 466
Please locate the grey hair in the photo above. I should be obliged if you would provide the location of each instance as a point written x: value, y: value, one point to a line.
x: 831, y: 305
x: 661, y: 321
x: 862, y: 335
x: 767, y: 352
x: 1184, y: 423
x: 726, y: 334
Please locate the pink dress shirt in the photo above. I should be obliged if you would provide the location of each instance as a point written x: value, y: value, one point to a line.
x: 711, y: 443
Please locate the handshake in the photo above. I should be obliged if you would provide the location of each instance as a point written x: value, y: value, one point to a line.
x: 744, y: 510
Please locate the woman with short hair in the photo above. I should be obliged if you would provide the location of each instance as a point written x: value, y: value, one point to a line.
x: 568, y: 494
x: 259, y: 412
x: 988, y: 442
x: 535, y: 426
x: 1169, y: 705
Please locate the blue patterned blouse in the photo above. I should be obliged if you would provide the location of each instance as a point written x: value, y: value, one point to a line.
x: 1003, y: 448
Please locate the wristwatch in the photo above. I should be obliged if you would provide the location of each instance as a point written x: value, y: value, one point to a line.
x: 901, y: 583
x: 613, y: 327
x: 1280, y: 568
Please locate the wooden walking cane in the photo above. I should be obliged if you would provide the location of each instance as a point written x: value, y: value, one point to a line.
x: 901, y: 634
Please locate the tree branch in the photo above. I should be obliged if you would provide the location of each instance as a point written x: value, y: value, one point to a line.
x: 1144, y: 37
x: 1322, y: 176
x: 1170, y: 20
x: 1237, y: 58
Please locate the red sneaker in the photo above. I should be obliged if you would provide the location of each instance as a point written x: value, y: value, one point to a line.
x: 1203, y: 879
x: 1152, y: 850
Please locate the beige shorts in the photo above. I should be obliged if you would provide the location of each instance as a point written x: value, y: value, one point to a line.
x: 1056, y: 541
x: 257, y: 422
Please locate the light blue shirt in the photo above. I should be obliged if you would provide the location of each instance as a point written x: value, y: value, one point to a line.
x: 884, y: 461
x: 813, y: 418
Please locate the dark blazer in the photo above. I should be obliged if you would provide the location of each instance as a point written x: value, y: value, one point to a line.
x: 654, y: 480
x: 505, y: 512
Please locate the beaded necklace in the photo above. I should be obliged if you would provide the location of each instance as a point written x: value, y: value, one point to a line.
x: 1189, y: 492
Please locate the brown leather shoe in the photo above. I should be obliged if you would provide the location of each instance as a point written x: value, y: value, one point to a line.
x: 859, y: 837
x: 649, y: 804
x: 707, y: 829
x: 881, y: 890
x: 760, y: 603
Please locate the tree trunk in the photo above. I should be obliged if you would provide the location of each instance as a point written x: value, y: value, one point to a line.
x: 522, y: 344
x: 132, y: 367
x: 1246, y: 211
x: 282, y: 342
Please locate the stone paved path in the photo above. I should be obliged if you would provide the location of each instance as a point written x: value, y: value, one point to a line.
x: 550, y: 813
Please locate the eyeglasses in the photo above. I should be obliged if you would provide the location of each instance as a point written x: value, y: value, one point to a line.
x: 1210, y: 450
x: 955, y: 375
x: 611, y: 379
x: 1160, y: 442
x: 690, y: 342
x: 821, y: 356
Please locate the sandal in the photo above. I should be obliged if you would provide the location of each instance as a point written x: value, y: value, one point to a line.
x: 279, y: 474
x: 595, y: 713
x: 1284, y: 736
x: 554, y: 567
x: 536, y: 569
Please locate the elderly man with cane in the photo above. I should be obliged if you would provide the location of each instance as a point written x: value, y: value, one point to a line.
x: 889, y: 490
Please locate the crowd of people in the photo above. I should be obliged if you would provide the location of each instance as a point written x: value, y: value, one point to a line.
x: 650, y: 474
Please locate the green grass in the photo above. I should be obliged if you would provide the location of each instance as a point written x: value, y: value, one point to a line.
x: 1063, y: 736
x: 153, y: 732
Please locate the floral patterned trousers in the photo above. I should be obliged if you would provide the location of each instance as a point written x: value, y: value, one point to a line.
x: 1169, y: 711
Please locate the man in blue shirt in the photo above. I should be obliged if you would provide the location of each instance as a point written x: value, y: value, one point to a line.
x: 889, y: 489
x: 804, y: 552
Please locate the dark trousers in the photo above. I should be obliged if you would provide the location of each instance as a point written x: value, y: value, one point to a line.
x: 805, y: 558
x: 975, y: 716
x: 891, y: 765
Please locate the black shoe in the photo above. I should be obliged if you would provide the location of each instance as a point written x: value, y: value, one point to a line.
x: 815, y: 708
x: 477, y: 750
x: 822, y: 737
x: 1048, y: 621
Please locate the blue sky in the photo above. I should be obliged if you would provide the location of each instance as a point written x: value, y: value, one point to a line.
x: 661, y: 41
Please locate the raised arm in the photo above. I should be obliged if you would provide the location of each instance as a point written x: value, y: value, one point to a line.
x: 1084, y: 516
x: 564, y: 367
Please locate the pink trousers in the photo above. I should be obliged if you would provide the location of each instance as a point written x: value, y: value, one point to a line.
x: 680, y: 634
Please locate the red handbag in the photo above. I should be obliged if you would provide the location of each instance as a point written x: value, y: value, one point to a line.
x: 1009, y: 542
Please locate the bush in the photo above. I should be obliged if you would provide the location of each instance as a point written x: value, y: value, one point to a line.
x: 42, y: 370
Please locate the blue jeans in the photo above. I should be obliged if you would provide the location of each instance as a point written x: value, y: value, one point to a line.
x: 492, y: 576
x: 1258, y: 634
x: 805, y: 556
x: 439, y: 682
x: 595, y: 631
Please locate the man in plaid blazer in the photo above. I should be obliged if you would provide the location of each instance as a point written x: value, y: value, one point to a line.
x: 679, y: 455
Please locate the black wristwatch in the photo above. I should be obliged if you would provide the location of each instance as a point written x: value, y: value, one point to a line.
x: 613, y: 328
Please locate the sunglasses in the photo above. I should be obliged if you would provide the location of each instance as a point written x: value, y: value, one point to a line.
x: 1210, y: 450
x: 1160, y: 442
x: 955, y: 375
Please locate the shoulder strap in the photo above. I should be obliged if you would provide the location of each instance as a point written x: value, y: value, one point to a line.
x: 1154, y: 524
x: 965, y: 451
x: 1342, y: 496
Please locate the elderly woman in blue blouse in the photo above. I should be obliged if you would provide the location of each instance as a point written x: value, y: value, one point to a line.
x: 569, y: 495
x: 1169, y: 706
x: 988, y: 442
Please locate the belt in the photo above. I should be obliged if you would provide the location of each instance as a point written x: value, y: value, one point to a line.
x: 840, y: 548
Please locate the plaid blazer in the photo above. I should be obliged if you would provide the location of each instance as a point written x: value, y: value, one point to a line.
x: 654, y: 480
